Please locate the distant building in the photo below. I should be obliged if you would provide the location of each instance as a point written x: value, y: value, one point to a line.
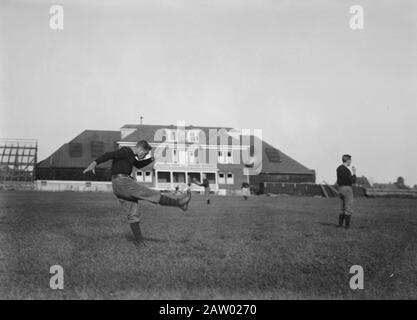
x: 385, y: 185
x: 68, y: 161
x: 363, y: 182
x: 183, y: 154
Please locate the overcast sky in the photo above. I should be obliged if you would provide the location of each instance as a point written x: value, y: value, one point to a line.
x: 294, y: 69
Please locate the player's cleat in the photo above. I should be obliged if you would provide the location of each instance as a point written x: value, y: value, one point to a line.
x: 341, y: 218
x: 173, y: 200
x: 347, y: 221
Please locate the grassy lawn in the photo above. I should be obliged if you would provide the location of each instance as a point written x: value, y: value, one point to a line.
x: 266, y: 247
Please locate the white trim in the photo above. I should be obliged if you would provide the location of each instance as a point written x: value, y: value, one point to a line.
x: 196, y: 133
x: 145, y: 176
x: 139, y: 173
x: 223, y: 180
x: 227, y: 178
x: 222, y: 147
x: 168, y: 166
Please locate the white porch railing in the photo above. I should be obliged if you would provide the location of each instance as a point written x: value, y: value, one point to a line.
x: 189, y: 167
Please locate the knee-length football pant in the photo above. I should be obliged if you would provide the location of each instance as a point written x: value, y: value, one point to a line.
x: 129, y: 192
x: 346, y: 200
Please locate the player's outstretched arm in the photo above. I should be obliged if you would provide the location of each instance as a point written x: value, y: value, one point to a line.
x: 143, y: 163
x: 118, y: 154
x: 197, y: 182
x: 91, y: 167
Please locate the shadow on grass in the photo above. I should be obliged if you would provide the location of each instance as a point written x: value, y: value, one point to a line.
x: 335, y: 225
x: 157, y: 240
x: 329, y: 224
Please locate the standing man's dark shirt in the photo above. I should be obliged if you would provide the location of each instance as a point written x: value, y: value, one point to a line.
x: 205, y: 183
x: 123, y: 161
x: 344, y: 176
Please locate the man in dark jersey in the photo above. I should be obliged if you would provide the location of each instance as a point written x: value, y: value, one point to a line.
x: 128, y: 190
x: 205, y: 183
x: 345, y: 179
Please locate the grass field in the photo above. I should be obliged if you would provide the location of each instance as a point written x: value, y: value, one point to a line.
x: 266, y: 247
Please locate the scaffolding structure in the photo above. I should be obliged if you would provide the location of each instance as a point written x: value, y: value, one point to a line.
x: 18, y: 159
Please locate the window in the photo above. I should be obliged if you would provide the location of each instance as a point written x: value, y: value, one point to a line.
x: 139, y: 176
x: 229, y: 179
x: 191, y: 156
x: 174, y: 155
x: 148, y: 176
x: 194, y: 175
x: 222, y: 179
x: 221, y: 157
x: 97, y: 148
x: 272, y: 155
x: 179, y: 177
x: 172, y: 135
x: 75, y: 149
x: 229, y: 157
x: 211, y: 177
x: 193, y: 136
x: 164, y: 177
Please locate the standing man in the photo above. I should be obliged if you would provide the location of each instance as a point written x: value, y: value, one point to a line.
x: 345, y: 179
x: 205, y: 183
x: 245, y: 190
x: 128, y: 190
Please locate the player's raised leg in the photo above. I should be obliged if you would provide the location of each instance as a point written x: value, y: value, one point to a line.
x: 129, y: 189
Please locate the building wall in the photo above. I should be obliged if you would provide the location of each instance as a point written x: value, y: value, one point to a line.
x: 257, y: 180
x: 68, y: 162
x: 72, y: 174
x: 67, y: 185
x: 238, y: 177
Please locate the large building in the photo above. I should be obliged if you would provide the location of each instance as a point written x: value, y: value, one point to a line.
x: 182, y: 153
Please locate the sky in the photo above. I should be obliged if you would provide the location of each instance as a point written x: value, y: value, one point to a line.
x: 294, y: 69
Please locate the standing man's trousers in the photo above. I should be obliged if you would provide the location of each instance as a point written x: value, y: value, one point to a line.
x: 207, y: 193
x: 129, y: 192
x: 346, y: 200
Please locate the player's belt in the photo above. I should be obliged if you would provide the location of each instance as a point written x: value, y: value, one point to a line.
x: 121, y: 175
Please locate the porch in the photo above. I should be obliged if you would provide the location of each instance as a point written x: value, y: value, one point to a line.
x: 170, y: 175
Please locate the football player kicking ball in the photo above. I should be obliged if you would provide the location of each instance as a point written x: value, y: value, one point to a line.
x: 129, y: 191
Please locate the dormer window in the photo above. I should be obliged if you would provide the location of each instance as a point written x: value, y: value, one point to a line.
x: 171, y: 135
x: 193, y: 136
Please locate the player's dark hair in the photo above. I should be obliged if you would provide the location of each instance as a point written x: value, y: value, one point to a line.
x: 144, y: 144
x: 346, y: 157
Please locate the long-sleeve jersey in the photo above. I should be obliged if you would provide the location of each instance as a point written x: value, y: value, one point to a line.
x: 123, y: 161
x: 344, y: 176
